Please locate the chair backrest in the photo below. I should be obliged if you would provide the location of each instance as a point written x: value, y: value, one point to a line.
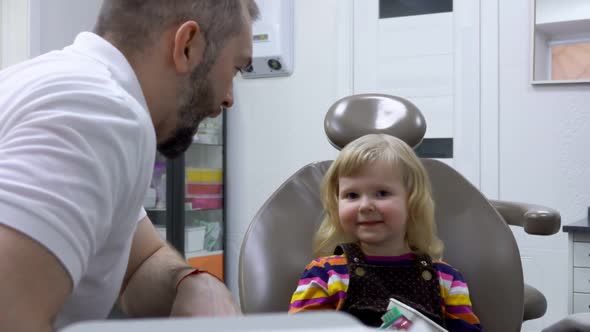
x: 278, y: 243
x: 481, y: 246
x: 478, y: 242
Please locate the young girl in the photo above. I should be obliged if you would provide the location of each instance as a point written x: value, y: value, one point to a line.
x: 378, y: 241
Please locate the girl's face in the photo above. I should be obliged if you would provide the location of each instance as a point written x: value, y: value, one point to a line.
x: 372, y: 206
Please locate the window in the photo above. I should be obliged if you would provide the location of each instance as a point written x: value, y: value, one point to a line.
x: 570, y: 61
x: 399, y: 8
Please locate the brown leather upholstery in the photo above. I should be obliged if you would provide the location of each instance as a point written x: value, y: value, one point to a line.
x: 535, y: 304
x: 579, y: 322
x: 477, y: 239
x: 278, y: 243
x: 381, y: 114
x: 535, y: 219
x: 481, y: 246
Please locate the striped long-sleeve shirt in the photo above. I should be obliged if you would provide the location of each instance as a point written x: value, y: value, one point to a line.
x: 324, y: 284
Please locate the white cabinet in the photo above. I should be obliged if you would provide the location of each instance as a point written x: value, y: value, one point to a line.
x: 581, y: 302
x: 579, y: 271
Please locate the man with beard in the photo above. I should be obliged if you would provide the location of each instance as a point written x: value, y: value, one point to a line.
x: 78, y: 134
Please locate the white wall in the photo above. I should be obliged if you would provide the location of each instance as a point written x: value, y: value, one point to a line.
x: 276, y: 126
x: 544, y: 134
x: 31, y: 27
x: 549, y: 11
x: 55, y: 23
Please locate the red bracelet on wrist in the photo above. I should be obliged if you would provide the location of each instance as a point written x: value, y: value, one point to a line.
x: 192, y: 273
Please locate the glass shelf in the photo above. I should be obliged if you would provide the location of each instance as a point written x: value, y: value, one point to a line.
x: 203, y: 253
x: 154, y: 211
x: 197, y: 142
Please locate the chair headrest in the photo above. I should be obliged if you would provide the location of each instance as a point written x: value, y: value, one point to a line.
x: 352, y: 117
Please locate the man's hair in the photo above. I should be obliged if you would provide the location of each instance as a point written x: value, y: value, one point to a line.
x: 133, y: 25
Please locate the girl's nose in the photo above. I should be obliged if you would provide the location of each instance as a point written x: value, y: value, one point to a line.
x: 366, y: 205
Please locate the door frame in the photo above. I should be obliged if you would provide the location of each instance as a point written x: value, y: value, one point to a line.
x: 19, y: 30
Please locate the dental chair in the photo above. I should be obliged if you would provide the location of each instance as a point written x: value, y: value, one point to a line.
x: 578, y: 322
x: 478, y: 241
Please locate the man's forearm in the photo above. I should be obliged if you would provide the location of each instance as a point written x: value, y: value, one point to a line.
x: 151, y: 290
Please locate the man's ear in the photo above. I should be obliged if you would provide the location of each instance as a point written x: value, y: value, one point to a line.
x: 189, y: 47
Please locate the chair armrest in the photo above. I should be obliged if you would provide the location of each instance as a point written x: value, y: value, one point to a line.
x: 535, y: 219
x: 573, y: 323
x: 535, y: 304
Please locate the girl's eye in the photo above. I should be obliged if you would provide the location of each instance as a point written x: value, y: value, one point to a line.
x: 350, y: 195
x: 383, y: 193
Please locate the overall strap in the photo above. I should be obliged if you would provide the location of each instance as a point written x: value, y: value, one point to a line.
x: 352, y: 251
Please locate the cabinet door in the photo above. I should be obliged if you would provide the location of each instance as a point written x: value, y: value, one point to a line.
x: 204, y: 198
x: 581, y: 280
x: 581, y: 303
x: 155, y: 198
x: 582, y: 254
x: 186, y: 202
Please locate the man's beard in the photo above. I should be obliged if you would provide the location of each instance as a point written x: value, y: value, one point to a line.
x: 197, y: 102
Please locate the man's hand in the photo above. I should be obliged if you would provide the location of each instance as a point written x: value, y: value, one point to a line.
x: 203, y: 295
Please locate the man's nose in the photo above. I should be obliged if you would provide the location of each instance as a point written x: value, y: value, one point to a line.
x: 228, y: 100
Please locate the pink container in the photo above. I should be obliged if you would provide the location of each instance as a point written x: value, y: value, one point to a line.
x: 195, y: 189
x: 206, y: 202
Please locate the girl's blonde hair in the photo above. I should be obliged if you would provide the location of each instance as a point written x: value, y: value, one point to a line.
x: 421, y: 229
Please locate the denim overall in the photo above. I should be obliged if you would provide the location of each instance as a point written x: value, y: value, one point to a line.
x: 371, y: 286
